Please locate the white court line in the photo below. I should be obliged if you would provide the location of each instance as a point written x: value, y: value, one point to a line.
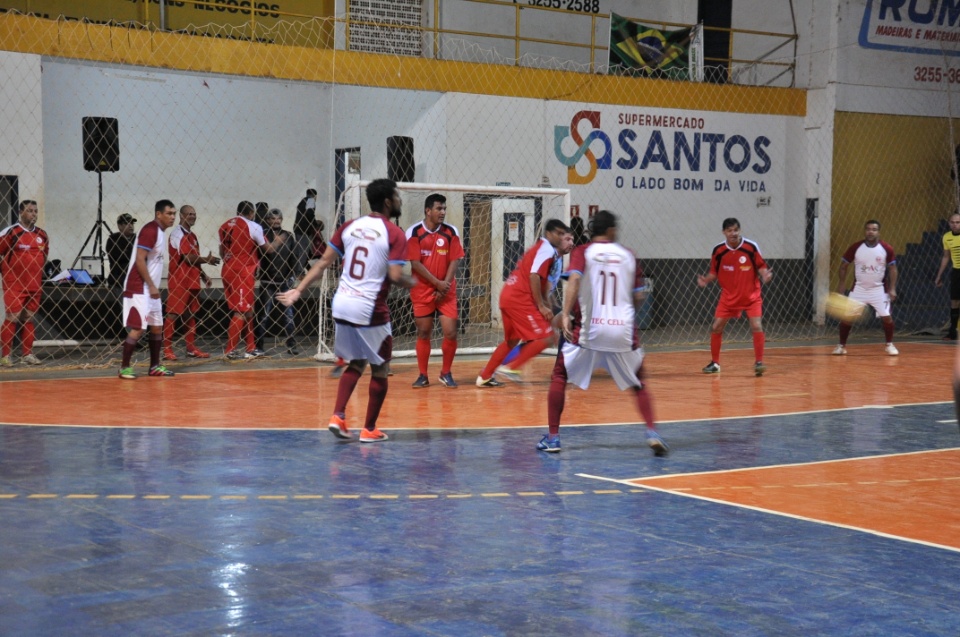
x: 774, y: 512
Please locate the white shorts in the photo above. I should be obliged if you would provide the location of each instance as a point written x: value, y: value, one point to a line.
x: 877, y: 298
x: 373, y: 344
x: 623, y: 366
x: 140, y: 310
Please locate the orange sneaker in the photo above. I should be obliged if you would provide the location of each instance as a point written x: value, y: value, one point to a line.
x: 372, y: 436
x: 195, y: 353
x: 168, y: 355
x: 338, y: 427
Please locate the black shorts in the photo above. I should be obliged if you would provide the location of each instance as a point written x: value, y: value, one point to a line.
x: 955, y: 285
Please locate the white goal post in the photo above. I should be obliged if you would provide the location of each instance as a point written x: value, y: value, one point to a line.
x: 496, y: 225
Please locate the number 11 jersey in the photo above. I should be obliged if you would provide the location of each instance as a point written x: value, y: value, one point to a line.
x: 606, y: 311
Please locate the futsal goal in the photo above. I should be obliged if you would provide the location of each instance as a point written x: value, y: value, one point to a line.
x: 496, y: 224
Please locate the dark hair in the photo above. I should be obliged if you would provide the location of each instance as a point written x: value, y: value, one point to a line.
x: 311, y: 192
x: 244, y: 208
x: 729, y: 222
x: 262, y: 207
x: 162, y: 205
x: 25, y: 203
x: 869, y: 221
x: 602, y: 221
x: 555, y: 224
x: 432, y: 199
x: 379, y: 191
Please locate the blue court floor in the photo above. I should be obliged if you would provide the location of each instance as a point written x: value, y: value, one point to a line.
x: 118, y: 532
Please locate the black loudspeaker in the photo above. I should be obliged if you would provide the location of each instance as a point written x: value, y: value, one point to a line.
x: 101, y: 144
x: 400, y: 163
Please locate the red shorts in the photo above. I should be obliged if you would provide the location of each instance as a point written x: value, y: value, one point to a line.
x: 428, y: 304
x: 754, y: 309
x: 524, y: 324
x: 18, y: 299
x: 181, y: 300
x: 238, y: 288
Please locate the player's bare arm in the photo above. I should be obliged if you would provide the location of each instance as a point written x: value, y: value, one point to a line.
x: 944, y: 261
x: 144, y: 272
x: 444, y: 286
x: 290, y: 297
x: 196, y: 260
x: 397, y: 277
x: 424, y: 275
x: 570, y: 297
x: 538, y: 296
x: 842, y: 285
x: 766, y: 274
x: 703, y: 280
x: 892, y: 273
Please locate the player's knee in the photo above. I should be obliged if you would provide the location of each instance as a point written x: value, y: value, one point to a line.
x: 380, y: 371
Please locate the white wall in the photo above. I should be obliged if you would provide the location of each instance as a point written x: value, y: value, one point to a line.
x: 21, y: 135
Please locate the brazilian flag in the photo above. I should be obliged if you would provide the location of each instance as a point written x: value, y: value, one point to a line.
x: 636, y: 49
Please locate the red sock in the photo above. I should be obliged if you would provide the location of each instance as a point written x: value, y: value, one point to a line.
x: 348, y: 381
x: 29, y: 330
x: 495, y: 360
x: 645, y: 405
x: 528, y: 351
x: 449, y: 349
x: 423, y: 354
x: 191, y: 335
x: 169, y: 328
x: 7, y: 332
x: 251, y: 337
x: 844, y: 332
x: 888, y: 331
x: 233, y: 332
x: 715, y: 341
x: 378, y: 392
x: 758, y: 341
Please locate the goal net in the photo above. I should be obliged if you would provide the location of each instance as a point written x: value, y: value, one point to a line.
x: 496, y: 224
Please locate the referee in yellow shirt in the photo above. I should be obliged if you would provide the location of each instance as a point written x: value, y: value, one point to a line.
x: 951, y: 252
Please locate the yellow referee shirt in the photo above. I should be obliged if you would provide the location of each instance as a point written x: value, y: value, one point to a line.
x: 951, y: 242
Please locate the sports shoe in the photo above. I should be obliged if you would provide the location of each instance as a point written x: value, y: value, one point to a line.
x: 656, y: 443
x: 759, y: 368
x: 337, y: 371
x: 338, y: 427
x: 293, y: 351
x: 256, y: 353
x: 422, y: 381
x: 839, y: 350
x: 509, y: 373
x: 168, y: 355
x: 373, y: 436
x: 6, y: 362
x: 127, y: 373
x: 892, y: 350
x: 550, y: 444
x: 712, y: 368
x: 30, y: 359
x: 238, y: 355
x: 447, y: 380
x: 490, y: 382
x: 159, y: 370
x: 195, y: 353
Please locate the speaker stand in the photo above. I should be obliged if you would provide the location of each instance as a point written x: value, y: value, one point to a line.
x: 96, y: 232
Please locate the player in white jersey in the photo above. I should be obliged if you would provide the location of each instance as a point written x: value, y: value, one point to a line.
x: 142, y: 308
x: 875, y: 281
x: 374, y: 250
x: 599, y: 325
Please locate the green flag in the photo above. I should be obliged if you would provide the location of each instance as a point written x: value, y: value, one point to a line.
x: 636, y: 49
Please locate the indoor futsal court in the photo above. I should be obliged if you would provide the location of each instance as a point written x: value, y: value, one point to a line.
x: 818, y: 499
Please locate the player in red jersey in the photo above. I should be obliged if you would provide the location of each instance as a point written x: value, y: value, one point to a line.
x: 525, y: 308
x: 434, y: 250
x: 241, y: 240
x: 738, y: 268
x: 374, y: 251
x: 23, y: 252
x: 183, y: 284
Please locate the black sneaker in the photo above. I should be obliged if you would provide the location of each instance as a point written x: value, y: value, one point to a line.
x: 422, y: 381
x: 712, y: 368
x: 490, y: 382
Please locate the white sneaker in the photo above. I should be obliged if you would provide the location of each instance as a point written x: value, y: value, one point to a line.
x: 891, y: 350
x: 840, y: 350
x: 30, y: 359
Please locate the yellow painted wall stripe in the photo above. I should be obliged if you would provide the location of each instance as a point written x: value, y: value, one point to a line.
x: 118, y: 45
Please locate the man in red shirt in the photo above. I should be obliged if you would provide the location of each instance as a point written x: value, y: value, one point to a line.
x: 23, y: 252
x: 183, y: 284
x: 524, y: 308
x: 738, y: 268
x: 241, y: 240
x: 434, y: 251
